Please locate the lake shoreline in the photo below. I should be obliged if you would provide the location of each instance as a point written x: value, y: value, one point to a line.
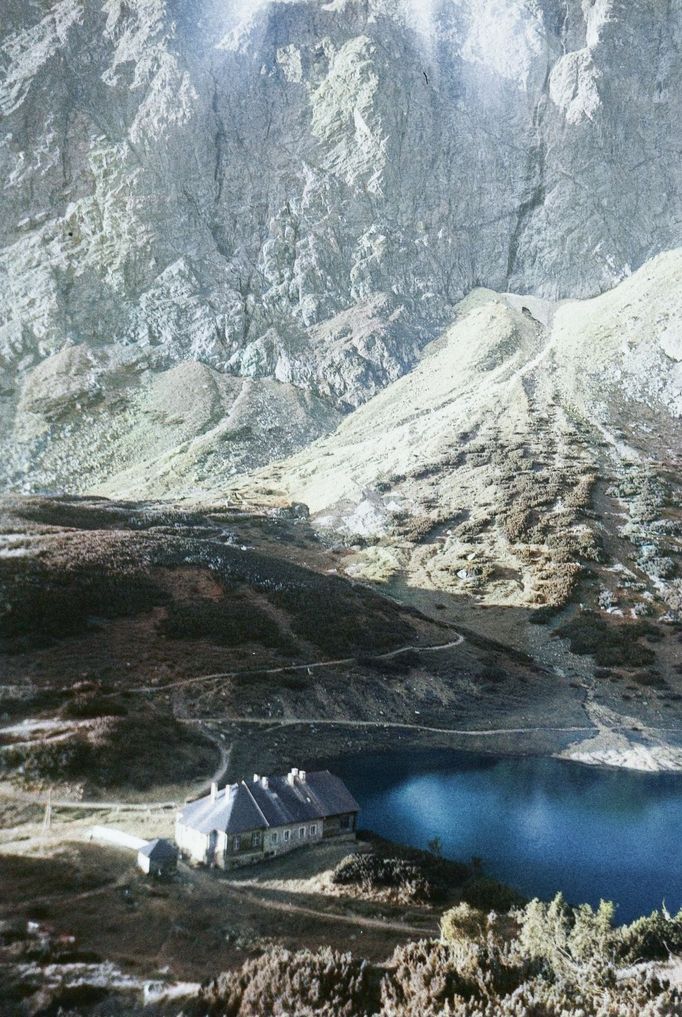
x: 541, y: 824
x: 600, y: 749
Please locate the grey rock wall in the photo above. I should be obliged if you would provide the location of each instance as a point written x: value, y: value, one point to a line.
x: 303, y: 191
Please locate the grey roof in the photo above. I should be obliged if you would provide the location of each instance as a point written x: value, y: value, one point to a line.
x: 233, y: 810
x: 159, y: 849
x: 241, y: 807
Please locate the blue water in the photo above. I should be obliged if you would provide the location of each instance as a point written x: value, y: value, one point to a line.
x: 538, y: 824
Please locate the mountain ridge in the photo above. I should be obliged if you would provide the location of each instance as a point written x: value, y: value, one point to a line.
x: 477, y: 472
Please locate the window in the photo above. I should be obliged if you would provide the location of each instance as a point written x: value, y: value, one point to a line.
x: 313, y: 830
x: 301, y: 833
x: 345, y: 822
x: 236, y: 844
x: 275, y: 838
x: 255, y: 839
x: 287, y: 834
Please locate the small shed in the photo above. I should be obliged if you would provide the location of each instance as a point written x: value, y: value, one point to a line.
x: 158, y: 858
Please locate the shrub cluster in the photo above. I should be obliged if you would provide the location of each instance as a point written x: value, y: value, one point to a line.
x: 545, y: 960
x: 652, y: 937
x: 373, y: 872
x: 91, y: 704
x: 117, y: 751
x: 282, y: 983
x: 488, y: 894
x: 41, y: 604
x: 341, y: 620
x: 611, y: 644
x: 233, y: 621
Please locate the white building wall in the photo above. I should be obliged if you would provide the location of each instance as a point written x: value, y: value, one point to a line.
x: 191, y: 842
x: 144, y: 862
x: 276, y: 841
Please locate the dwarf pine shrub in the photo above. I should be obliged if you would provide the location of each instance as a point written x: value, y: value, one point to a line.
x: 542, y: 960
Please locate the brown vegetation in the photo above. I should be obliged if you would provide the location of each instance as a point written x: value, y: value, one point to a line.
x: 547, y: 960
x: 372, y: 872
x: 115, y: 749
x: 612, y: 644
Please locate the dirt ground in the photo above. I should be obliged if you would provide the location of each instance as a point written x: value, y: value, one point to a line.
x: 199, y: 922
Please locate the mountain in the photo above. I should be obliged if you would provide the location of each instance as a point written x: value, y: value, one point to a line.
x: 411, y: 267
x: 531, y: 437
x: 340, y: 416
x: 222, y: 229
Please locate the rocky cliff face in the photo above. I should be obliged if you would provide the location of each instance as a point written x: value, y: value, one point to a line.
x: 297, y: 194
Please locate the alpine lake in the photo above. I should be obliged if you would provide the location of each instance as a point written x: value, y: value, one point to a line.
x: 538, y: 824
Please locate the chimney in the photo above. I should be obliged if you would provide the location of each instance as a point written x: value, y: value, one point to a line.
x: 214, y: 791
x: 265, y: 782
x: 292, y: 775
x: 302, y: 775
x: 256, y: 778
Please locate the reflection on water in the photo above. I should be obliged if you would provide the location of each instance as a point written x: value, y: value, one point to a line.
x: 539, y: 824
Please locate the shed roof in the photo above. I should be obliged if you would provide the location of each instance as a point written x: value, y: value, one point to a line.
x: 159, y: 850
x: 258, y: 805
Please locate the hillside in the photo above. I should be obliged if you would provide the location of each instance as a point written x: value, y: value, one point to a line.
x: 532, y: 438
x: 129, y: 628
x: 524, y: 479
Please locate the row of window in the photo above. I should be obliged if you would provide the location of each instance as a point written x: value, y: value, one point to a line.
x: 287, y: 835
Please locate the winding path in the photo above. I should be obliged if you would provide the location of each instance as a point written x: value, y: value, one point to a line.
x: 260, y: 900
x: 282, y: 722
x: 274, y: 722
x: 312, y: 666
x: 219, y: 775
x: 279, y: 722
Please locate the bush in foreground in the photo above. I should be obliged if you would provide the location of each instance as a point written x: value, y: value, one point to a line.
x: 652, y: 937
x: 542, y: 960
x: 283, y: 983
x: 488, y: 894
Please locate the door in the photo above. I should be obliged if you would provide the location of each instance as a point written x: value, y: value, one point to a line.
x: 212, y: 843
